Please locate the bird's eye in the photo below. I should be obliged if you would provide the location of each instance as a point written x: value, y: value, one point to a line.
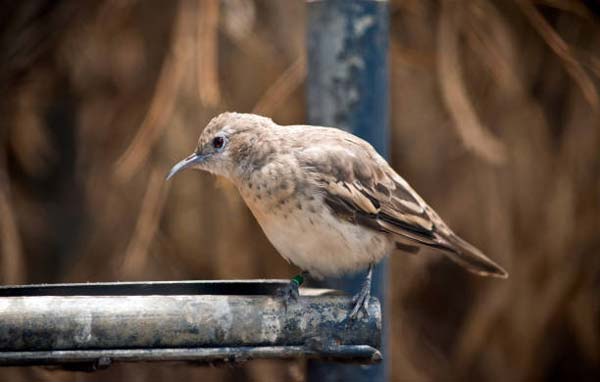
x: 218, y: 142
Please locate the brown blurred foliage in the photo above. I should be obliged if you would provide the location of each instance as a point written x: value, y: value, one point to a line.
x: 494, y: 121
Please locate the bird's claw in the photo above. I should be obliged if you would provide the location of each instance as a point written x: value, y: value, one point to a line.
x: 289, y: 293
x: 360, y: 302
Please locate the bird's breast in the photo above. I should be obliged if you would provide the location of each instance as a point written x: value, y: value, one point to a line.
x: 305, y: 233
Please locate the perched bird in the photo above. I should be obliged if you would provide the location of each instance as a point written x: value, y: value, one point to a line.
x: 325, y: 199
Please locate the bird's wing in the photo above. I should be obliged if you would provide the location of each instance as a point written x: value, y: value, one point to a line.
x: 384, y: 208
x: 360, y: 187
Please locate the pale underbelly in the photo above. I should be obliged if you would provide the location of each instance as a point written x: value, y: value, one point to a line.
x: 323, y: 245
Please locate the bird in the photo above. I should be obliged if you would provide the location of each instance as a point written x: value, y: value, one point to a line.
x: 325, y: 199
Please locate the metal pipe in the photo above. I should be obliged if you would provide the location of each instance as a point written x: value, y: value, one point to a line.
x: 103, y: 323
x: 100, y: 359
x: 348, y: 88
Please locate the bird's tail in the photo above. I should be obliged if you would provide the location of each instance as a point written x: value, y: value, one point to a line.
x: 471, y: 258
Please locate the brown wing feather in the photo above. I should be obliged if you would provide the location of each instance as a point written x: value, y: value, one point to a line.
x: 359, y: 186
x: 360, y: 205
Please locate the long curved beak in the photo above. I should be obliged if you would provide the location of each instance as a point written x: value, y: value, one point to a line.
x: 188, y: 162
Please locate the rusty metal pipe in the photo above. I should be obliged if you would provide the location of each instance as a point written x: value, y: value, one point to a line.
x: 160, y: 321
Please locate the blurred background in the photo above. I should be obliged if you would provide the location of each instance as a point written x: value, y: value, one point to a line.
x: 494, y: 116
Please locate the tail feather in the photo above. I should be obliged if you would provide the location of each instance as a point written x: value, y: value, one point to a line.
x: 472, y: 259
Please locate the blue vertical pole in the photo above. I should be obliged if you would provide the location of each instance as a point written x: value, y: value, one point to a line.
x: 348, y: 88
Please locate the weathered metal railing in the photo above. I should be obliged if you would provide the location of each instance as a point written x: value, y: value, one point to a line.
x: 93, y: 325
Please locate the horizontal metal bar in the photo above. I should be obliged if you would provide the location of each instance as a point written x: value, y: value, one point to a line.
x: 97, y: 359
x: 200, y: 321
x: 92, y: 322
x: 144, y: 288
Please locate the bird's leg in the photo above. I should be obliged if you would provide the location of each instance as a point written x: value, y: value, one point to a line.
x: 290, y: 292
x: 361, y: 299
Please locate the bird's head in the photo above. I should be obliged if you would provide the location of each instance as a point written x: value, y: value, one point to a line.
x: 225, y: 144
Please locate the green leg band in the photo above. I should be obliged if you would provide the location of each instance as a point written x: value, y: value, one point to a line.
x: 298, y: 280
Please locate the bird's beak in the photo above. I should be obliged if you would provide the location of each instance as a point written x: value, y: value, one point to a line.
x: 188, y: 162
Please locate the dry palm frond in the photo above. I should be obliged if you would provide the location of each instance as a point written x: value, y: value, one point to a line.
x: 146, y: 225
x: 207, y: 53
x: 282, y: 88
x: 474, y: 136
x: 492, y: 43
x: 165, y: 95
x: 562, y: 50
x: 410, y: 58
x: 576, y: 7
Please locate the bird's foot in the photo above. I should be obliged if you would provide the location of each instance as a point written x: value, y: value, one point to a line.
x: 360, y: 300
x: 291, y: 292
